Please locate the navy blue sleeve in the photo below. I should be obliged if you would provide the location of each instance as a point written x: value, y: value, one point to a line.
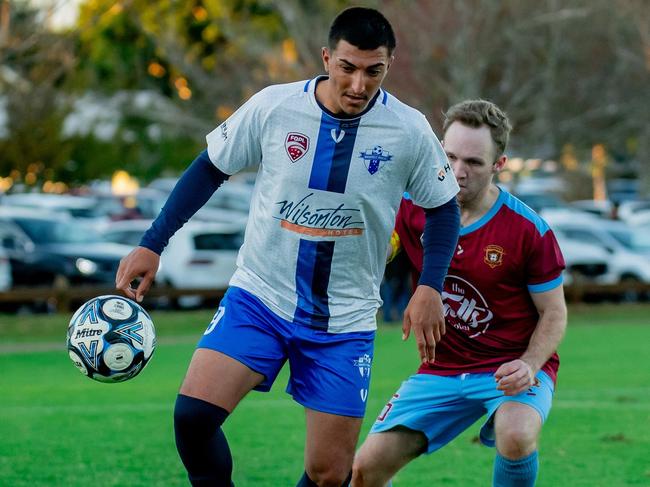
x: 191, y: 192
x: 439, y: 242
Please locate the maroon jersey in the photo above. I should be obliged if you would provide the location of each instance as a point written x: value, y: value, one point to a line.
x: 500, y: 259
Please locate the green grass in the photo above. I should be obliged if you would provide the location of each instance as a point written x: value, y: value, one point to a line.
x: 59, y: 428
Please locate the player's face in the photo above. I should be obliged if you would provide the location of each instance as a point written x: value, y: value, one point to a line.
x: 355, y: 76
x: 472, y: 155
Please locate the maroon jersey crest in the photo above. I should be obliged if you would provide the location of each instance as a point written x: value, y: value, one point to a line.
x: 493, y: 256
x: 296, y: 145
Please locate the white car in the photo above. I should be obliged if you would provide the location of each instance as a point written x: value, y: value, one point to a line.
x: 585, y: 263
x: 625, y: 264
x: 199, y: 256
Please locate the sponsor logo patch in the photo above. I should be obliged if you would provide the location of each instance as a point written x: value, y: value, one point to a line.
x: 296, y: 145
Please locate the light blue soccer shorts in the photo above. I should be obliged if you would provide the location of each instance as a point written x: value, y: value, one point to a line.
x: 329, y: 372
x: 442, y: 407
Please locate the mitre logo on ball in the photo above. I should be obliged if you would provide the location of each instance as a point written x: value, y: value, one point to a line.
x: 296, y: 145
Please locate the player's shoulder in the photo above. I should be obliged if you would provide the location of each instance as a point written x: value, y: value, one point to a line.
x: 525, y: 213
x: 280, y: 93
x: 408, y: 116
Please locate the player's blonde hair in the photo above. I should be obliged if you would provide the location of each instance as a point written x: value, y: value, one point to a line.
x: 475, y: 113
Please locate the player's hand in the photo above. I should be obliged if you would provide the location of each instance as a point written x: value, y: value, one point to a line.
x: 140, y: 263
x: 515, y: 377
x: 425, y: 318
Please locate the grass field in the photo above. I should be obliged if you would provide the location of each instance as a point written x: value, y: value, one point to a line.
x: 58, y: 428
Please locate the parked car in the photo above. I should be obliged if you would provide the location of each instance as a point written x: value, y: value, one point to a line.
x: 635, y: 212
x: 96, y: 209
x: 232, y: 195
x: 5, y: 271
x: 199, y: 256
x: 585, y: 263
x: 48, y: 247
x: 150, y: 201
x: 625, y: 264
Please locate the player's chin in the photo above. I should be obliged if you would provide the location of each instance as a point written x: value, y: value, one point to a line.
x: 354, y: 106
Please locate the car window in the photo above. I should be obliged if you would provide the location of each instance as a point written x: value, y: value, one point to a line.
x: 582, y: 235
x: 57, y: 231
x: 637, y: 240
x: 218, y: 241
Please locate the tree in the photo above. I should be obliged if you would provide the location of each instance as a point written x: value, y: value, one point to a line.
x: 34, y: 66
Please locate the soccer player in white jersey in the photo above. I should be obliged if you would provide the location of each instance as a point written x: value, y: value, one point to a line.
x: 335, y: 155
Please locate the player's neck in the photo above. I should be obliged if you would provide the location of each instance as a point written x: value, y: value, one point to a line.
x: 474, y: 210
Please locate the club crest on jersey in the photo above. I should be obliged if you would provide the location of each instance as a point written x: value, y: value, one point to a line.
x: 493, y: 256
x: 296, y: 145
x: 373, y: 158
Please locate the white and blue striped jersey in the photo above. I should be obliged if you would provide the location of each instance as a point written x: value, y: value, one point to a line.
x: 325, y: 199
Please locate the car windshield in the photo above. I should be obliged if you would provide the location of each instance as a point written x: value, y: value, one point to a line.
x: 637, y: 240
x: 57, y: 231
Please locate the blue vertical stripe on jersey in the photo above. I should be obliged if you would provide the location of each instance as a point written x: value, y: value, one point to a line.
x: 312, y: 279
x: 333, y: 154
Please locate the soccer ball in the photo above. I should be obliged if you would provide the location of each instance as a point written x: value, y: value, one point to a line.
x: 111, y: 338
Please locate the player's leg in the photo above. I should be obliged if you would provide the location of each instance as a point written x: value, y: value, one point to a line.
x: 329, y: 449
x: 330, y: 377
x: 517, y: 428
x: 382, y: 455
x: 242, y: 349
x: 426, y: 413
x: 513, y: 425
x: 213, y: 386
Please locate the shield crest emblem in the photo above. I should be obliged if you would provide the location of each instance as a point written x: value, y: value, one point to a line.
x: 493, y: 256
x: 296, y: 145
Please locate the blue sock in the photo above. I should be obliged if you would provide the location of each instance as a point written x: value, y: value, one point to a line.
x: 200, y: 442
x: 515, y: 473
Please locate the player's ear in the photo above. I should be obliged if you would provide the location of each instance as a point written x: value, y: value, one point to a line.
x: 326, y: 56
x: 499, y: 164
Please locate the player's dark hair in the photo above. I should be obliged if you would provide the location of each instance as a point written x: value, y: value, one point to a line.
x: 475, y: 113
x: 365, y: 28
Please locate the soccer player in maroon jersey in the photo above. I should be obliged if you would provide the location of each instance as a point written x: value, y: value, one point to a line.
x: 505, y: 316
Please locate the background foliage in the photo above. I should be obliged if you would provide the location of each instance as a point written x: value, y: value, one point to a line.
x: 571, y: 74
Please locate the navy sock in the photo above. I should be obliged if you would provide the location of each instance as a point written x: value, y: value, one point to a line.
x: 305, y: 481
x: 515, y: 473
x: 201, y: 444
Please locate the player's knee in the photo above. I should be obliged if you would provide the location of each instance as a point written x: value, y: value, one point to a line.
x: 328, y: 475
x: 362, y: 468
x: 196, y: 418
x: 515, y: 442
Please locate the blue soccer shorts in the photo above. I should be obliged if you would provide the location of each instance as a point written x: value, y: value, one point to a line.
x: 442, y: 407
x: 329, y: 372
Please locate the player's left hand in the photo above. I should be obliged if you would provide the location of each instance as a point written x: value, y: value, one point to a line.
x: 514, y: 377
x: 425, y: 318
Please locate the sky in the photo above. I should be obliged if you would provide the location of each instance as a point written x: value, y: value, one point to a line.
x: 63, y: 12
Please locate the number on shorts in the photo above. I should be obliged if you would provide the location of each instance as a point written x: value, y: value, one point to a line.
x: 215, y: 319
x: 387, y: 408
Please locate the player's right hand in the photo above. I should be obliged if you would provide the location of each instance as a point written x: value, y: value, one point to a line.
x: 424, y: 317
x: 140, y: 263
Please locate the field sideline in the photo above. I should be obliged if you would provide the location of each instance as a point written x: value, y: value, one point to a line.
x: 59, y: 428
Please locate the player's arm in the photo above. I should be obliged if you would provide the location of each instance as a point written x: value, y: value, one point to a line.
x: 517, y: 376
x: 191, y: 192
x: 424, y: 314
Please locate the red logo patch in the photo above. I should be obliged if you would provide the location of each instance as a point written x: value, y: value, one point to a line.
x: 296, y: 145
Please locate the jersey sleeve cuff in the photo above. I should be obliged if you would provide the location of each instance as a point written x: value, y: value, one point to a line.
x: 546, y: 286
